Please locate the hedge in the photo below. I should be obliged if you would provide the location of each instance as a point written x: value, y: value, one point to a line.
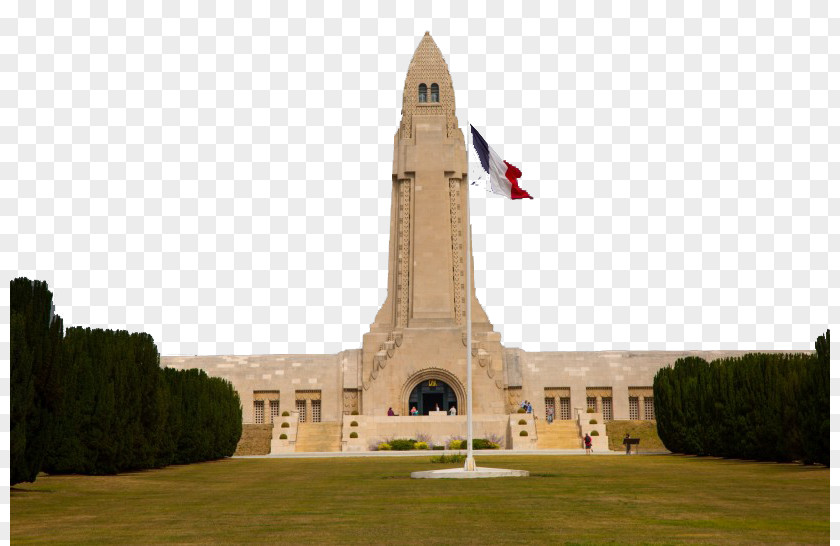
x: 96, y: 401
x: 760, y: 406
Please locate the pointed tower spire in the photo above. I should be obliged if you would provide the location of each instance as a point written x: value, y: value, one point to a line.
x: 428, y: 68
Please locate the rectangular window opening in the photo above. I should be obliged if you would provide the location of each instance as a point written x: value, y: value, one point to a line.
x: 565, y: 409
x: 650, y: 415
x: 634, y: 408
x: 300, y: 405
x: 606, y: 408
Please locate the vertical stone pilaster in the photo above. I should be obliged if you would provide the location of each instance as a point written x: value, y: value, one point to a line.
x: 403, y: 255
x: 457, y: 250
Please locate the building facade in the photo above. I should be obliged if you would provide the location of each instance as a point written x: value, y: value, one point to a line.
x: 414, y: 356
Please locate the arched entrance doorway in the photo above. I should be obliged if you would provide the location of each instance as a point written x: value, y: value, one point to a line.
x: 430, y: 395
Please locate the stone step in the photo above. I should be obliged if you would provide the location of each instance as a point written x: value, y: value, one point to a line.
x: 318, y: 437
x: 558, y: 435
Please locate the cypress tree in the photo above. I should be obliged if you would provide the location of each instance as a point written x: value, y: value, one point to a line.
x: 36, y: 335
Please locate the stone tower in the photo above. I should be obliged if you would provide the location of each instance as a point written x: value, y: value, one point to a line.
x: 419, y: 333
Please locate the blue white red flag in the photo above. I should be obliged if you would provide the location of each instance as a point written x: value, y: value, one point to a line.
x: 501, y: 176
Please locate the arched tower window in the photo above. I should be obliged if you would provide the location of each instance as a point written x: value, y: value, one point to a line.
x: 435, y: 93
x: 422, y: 92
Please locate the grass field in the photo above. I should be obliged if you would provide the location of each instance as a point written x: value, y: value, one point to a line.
x: 643, y: 430
x: 567, y: 499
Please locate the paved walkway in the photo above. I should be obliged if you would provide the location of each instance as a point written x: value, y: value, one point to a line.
x: 425, y: 453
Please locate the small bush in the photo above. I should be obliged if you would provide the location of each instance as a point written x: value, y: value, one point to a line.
x: 354, y: 424
x: 521, y: 410
x: 594, y: 433
x: 354, y: 412
x: 421, y: 445
x: 402, y: 444
x: 523, y: 433
x: 284, y: 425
x: 448, y: 459
x: 384, y: 446
x: 590, y: 410
x: 438, y: 448
x: 593, y: 421
x: 483, y: 443
x: 285, y: 414
x: 354, y: 434
x: 457, y: 444
x: 284, y: 437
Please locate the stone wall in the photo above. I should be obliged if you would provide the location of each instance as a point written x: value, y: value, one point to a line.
x: 283, y: 373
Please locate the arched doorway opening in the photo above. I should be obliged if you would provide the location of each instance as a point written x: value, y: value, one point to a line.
x: 444, y: 383
x: 431, y: 395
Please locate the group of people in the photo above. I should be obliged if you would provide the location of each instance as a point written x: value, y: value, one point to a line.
x: 526, y: 406
x: 452, y: 411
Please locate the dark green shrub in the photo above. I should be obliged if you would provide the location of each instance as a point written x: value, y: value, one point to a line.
x: 97, y: 401
x: 590, y: 410
x: 593, y: 421
x: 354, y: 412
x: 285, y: 414
x: 285, y: 425
x: 354, y: 424
x: 402, y: 444
x: 37, y: 376
x: 354, y: 434
x: 523, y: 422
x: 284, y: 437
x: 523, y: 433
x: 521, y: 410
x: 438, y: 448
x: 758, y: 406
x: 594, y: 433
x: 484, y: 443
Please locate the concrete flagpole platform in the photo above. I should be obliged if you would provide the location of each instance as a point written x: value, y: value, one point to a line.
x: 464, y: 474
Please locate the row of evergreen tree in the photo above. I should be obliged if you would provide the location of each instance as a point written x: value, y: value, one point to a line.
x: 760, y: 406
x: 97, y: 401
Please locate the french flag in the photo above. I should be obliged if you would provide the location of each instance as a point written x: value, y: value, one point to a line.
x: 501, y: 175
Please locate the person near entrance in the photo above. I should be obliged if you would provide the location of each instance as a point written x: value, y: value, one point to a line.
x: 437, y: 407
x: 587, y: 442
x: 391, y: 412
x: 413, y: 410
x: 549, y: 416
x: 453, y: 411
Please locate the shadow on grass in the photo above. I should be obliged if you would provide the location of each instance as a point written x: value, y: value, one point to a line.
x: 17, y: 491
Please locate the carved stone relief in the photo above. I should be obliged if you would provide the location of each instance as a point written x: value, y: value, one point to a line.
x: 403, y: 253
x: 457, y: 249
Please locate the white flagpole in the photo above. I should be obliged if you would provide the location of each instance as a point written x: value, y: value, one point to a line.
x: 469, y: 464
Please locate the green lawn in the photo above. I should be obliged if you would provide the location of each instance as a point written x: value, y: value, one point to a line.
x: 643, y: 430
x: 567, y: 499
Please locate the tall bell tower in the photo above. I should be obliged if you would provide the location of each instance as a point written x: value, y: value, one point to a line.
x: 421, y: 325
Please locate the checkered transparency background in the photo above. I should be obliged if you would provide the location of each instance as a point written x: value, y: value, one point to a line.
x: 220, y: 176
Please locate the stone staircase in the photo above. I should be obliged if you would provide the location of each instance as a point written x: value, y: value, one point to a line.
x: 558, y: 435
x: 255, y: 440
x: 318, y: 437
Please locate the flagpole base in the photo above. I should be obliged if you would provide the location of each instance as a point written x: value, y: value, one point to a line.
x: 469, y: 464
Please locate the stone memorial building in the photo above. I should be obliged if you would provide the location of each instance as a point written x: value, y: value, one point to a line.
x: 414, y: 355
